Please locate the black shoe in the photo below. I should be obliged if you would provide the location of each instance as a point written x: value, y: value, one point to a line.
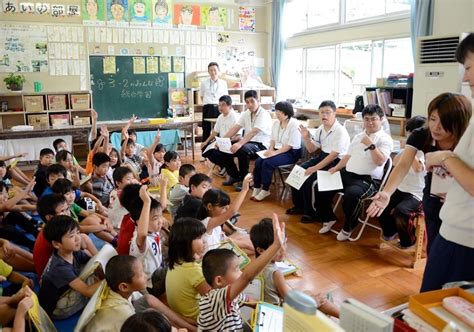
x: 306, y: 219
x: 294, y: 210
x: 238, y: 186
x: 230, y: 181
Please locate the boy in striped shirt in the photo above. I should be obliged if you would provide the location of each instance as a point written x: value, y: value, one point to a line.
x: 219, y: 310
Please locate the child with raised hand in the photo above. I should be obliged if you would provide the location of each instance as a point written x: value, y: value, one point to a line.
x: 276, y: 287
x: 63, y: 269
x: 155, y: 155
x: 181, y: 189
x: 64, y: 158
x: 89, y: 222
x: 129, y: 156
x: 146, y: 243
x: 219, y: 309
x: 216, y: 210
x: 125, y: 279
x: 184, y: 280
x: 170, y: 169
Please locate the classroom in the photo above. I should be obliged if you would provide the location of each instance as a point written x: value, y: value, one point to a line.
x: 236, y: 165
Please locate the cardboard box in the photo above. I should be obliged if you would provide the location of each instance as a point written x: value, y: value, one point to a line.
x: 423, y: 304
x: 59, y: 120
x: 80, y: 101
x: 33, y: 103
x: 81, y: 121
x: 57, y: 102
x: 38, y: 121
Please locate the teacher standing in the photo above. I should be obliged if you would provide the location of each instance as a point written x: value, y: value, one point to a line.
x: 211, y: 90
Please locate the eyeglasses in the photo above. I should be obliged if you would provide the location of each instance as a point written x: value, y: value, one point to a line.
x: 371, y: 119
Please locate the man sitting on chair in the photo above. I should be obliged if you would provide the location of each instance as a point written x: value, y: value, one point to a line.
x: 333, y: 140
x: 361, y: 169
x: 257, y: 125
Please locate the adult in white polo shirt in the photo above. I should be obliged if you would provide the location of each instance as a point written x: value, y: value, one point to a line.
x: 225, y: 121
x: 452, y: 253
x: 333, y: 140
x: 361, y: 171
x: 285, y: 149
x: 211, y: 90
x: 257, y: 124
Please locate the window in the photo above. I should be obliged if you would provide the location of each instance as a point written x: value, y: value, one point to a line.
x: 343, y: 71
x: 306, y: 14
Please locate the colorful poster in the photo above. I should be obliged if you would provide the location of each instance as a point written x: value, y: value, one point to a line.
x: 24, y: 48
x: 165, y: 64
x: 117, y: 12
x: 152, y: 65
x: 247, y: 19
x: 140, y: 12
x: 109, y: 65
x: 138, y: 65
x: 178, y: 64
x: 93, y: 12
x: 162, y: 11
x: 187, y: 14
x: 213, y: 16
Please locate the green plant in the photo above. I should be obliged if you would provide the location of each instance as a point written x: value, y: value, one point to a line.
x: 14, y: 82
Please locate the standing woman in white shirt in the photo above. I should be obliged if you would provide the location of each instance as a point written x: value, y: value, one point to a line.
x: 452, y: 253
x: 285, y: 148
x: 211, y: 90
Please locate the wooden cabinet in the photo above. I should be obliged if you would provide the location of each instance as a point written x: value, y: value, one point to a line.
x: 46, y: 110
x: 266, y: 96
x: 395, y: 95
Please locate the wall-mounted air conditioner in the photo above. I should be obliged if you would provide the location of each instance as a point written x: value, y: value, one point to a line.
x: 436, y: 70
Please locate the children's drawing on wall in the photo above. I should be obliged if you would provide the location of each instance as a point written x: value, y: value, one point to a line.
x: 213, y: 16
x: 187, y: 14
x: 162, y: 11
x: 222, y: 38
x: 140, y: 12
x: 93, y: 12
x: 117, y: 12
x: 247, y: 19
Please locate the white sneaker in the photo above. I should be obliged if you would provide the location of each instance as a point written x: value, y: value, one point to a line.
x: 222, y: 172
x: 327, y: 227
x: 262, y: 195
x: 255, y: 192
x: 343, y: 235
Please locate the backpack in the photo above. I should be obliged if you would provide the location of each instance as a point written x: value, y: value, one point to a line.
x: 358, y: 104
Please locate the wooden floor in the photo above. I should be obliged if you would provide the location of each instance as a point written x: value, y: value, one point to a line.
x: 378, y: 277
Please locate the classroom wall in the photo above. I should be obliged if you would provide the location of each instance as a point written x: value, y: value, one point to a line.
x: 451, y: 17
x: 250, y: 42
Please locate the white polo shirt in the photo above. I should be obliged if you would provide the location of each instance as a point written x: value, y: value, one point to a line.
x: 225, y: 122
x: 361, y: 161
x: 414, y: 182
x: 286, y: 136
x: 457, y: 212
x: 211, y: 91
x: 263, y: 121
x: 336, y: 139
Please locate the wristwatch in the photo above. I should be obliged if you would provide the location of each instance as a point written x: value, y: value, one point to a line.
x: 370, y: 147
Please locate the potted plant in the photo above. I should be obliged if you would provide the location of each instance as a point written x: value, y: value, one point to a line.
x: 14, y: 82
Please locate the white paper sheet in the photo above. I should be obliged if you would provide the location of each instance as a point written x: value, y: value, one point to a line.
x: 224, y: 144
x: 328, y: 181
x: 296, y: 177
x: 261, y: 154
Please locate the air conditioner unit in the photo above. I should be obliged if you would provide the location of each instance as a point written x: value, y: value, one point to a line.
x: 436, y: 70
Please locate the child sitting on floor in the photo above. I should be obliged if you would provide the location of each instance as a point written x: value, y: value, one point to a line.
x: 129, y: 158
x: 11, y: 306
x: 155, y: 153
x: 219, y: 309
x: 59, y: 145
x: 181, y: 189
x: 276, y: 287
x: 46, y: 159
x: 62, y: 272
x: 89, y: 222
x: 198, y: 185
x: 102, y: 185
x: 122, y: 176
x: 184, y: 280
x: 216, y: 209
x: 170, y: 169
x: 125, y: 279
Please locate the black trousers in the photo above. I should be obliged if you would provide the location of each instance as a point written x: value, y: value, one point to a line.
x: 246, y: 153
x: 356, y: 189
x: 398, y: 217
x: 303, y: 198
x: 9, y: 230
x: 208, y: 111
x: 431, y: 207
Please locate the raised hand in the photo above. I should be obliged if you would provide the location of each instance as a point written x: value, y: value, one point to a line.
x: 246, y: 182
x: 304, y: 132
x: 278, y: 231
x: 144, y: 195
